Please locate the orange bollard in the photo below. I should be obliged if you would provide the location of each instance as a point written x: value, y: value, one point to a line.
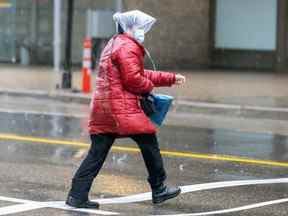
x: 87, y: 65
x: 86, y: 80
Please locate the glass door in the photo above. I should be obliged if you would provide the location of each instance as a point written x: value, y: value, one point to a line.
x: 7, y: 31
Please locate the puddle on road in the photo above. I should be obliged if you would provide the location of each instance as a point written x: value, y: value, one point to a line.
x: 174, y: 138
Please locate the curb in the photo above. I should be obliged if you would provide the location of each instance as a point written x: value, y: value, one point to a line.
x: 178, y: 106
x: 64, y: 96
x: 232, y: 107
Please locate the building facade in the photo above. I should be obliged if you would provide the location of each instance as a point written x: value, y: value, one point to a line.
x: 246, y: 34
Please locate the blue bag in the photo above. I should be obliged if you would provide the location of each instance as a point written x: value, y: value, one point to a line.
x: 162, y: 104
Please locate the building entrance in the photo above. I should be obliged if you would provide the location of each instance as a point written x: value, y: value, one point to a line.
x: 7, y: 30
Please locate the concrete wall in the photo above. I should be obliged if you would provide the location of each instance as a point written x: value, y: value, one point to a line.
x: 180, y: 39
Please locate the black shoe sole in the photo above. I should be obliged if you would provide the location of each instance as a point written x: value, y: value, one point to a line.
x: 82, y: 206
x: 159, y: 201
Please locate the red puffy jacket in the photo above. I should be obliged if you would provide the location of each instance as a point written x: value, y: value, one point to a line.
x: 121, y: 79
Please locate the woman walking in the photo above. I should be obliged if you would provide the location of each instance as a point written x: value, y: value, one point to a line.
x: 116, y: 110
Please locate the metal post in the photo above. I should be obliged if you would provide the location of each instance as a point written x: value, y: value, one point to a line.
x: 119, y: 5
x: 57, y: 35
x: 280, y: 56
x: 34, y: 23
x: 67, y: 74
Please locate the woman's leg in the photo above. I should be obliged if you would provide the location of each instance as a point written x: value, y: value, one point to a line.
x: 149, y: 147
x: 91, y: 166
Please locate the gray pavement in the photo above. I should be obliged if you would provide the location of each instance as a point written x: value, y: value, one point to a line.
x: 40, y: 170
x: 264, y: 89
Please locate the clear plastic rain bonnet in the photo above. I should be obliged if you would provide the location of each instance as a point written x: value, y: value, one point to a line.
x: 135, y: 19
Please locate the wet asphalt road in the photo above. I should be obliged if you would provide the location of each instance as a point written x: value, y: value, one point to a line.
x: 36, y: 171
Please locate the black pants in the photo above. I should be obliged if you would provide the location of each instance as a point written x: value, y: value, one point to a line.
x: 101, y: 144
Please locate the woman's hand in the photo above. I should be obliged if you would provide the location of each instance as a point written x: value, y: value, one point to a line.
x: 180, y: 79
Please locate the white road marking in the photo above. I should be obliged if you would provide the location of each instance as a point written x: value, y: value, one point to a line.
x: 61, y: 205
x: 192, y: 188
x: 233, y: 210
x: 20, y: 208
x: 27, y: 205
x: 9, y: 199
x: 217, y: 185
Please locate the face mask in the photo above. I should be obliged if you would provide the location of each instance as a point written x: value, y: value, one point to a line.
x: 139, y: 35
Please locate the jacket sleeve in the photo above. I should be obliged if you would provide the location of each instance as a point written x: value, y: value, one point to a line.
x: 160, y: 78
x: 132, y: 72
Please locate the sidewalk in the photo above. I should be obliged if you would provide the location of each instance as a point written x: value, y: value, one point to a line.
x: 264, y: 91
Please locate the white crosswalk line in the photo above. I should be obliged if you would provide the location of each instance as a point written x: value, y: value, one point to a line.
x: 39, y: 205
x: 9, y: 199
x: 61, y: 205
x: 233, y: 210
x: 192, y: 188
x: 20, y: 208
x: 27, y: 205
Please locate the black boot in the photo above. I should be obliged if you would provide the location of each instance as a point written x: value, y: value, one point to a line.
x: 162, y: 193
x: 77, y: 203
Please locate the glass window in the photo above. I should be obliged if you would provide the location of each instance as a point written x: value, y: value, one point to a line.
x: 246, y: 24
